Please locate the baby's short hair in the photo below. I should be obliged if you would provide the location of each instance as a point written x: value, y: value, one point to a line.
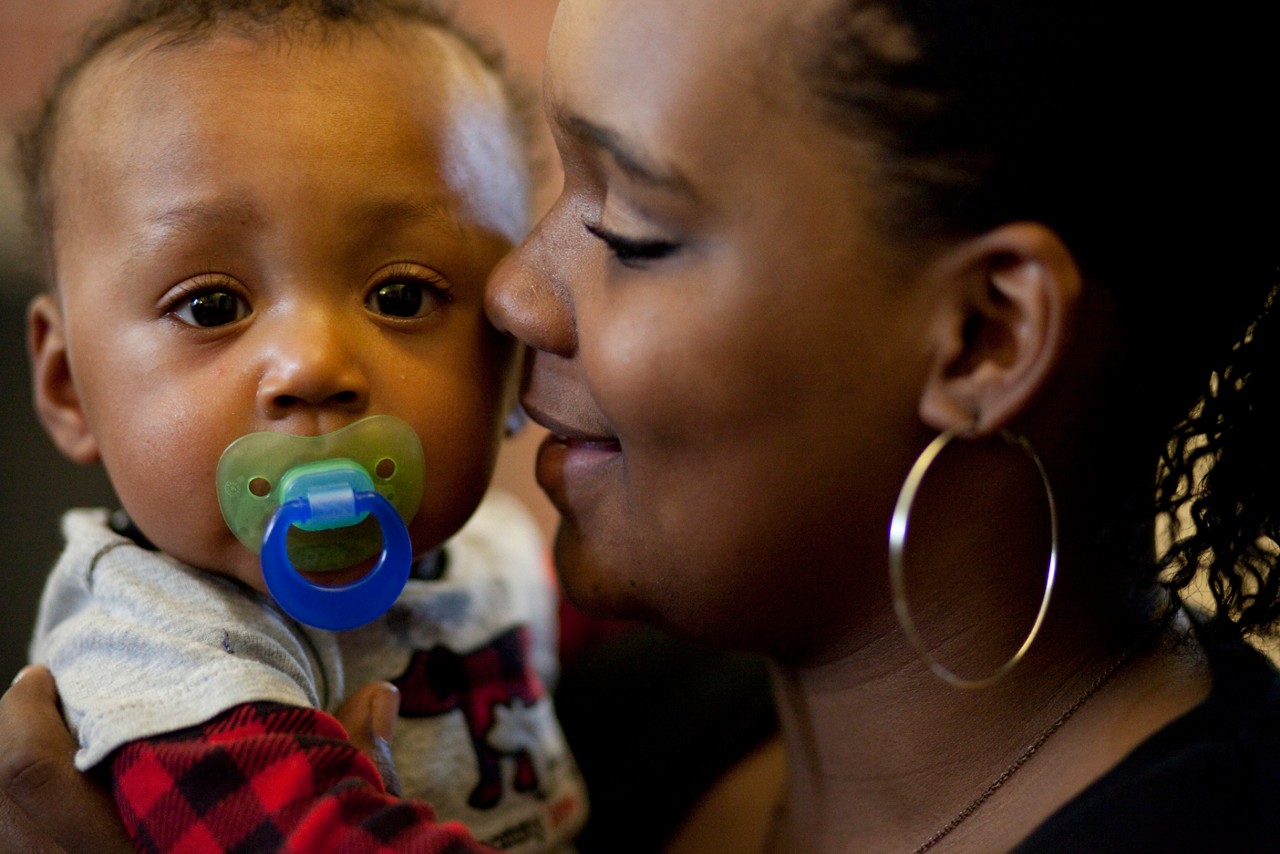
x: 177, y: 22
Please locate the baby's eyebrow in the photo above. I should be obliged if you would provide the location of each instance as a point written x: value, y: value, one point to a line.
x: 371, y: 216
x: 198, y: 217
x: 378, y: 214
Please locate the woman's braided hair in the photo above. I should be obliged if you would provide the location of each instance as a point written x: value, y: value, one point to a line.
x: 1222, y: 471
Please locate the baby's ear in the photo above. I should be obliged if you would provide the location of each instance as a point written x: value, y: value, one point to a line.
x: 56, y: 400
x: 1011, y: 296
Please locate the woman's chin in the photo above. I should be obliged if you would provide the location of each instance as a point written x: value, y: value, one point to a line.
x: 592, y: 587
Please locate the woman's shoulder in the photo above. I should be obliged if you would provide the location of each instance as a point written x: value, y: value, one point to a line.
x: 1208, y: 781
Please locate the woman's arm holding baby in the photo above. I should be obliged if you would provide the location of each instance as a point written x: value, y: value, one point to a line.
x: 45, y: 803
x: 19, y: 833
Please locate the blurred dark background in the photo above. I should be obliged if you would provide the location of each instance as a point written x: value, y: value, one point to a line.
x: 37, y: 483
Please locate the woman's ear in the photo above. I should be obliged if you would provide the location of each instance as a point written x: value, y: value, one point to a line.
x: 1011, y: 295
x: 56, y: 399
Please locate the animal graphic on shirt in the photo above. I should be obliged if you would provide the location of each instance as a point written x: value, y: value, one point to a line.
x: 489, y: 685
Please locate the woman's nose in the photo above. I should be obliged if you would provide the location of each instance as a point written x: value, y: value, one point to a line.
x: 312, y: 363
x: 527, y: 297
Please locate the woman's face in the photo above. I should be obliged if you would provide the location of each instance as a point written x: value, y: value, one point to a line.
x: 724, y: 349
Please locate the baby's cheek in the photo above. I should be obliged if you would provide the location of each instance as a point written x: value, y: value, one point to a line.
x: 244, y: 567
x: 453, y: 490
x: 209, y: 547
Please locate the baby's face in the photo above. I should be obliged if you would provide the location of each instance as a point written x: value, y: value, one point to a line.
x: 286, y: 237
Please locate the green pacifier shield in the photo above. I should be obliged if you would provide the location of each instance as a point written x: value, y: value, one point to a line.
x: 255, y: 470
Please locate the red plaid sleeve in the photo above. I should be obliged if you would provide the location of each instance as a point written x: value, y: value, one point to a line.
x: 268, y: 777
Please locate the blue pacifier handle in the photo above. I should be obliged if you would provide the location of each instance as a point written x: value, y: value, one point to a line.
x: 343, y: 606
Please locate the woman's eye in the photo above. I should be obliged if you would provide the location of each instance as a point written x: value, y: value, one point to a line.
x: 404, y: 298
x: 211, y: 308
x: 632, y: 252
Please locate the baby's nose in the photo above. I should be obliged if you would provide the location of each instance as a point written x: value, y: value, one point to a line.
x: 313, y: 363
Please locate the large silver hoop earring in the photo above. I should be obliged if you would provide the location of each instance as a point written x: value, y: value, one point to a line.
x: 897, y: 541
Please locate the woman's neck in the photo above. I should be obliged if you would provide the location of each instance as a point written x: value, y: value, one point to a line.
x: 882, y: 755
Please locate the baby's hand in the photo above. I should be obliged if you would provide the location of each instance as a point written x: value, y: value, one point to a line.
x: 44, y: 801
x: 369, y: 716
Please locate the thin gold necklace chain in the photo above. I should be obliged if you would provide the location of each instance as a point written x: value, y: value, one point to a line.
x: 1047, y: 733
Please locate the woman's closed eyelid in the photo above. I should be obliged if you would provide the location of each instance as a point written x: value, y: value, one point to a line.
x: 632, y: 251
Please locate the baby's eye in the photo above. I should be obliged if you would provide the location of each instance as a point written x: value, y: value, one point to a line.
x: 209, y: 308
x: 406, y: 296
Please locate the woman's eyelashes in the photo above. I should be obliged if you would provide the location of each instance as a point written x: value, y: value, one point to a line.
x: 633, y: 252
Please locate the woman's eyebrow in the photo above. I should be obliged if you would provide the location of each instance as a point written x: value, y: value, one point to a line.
x: 634, y: 163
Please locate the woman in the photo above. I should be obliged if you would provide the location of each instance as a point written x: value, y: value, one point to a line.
x: 864, y: 330
x: 810, y: 240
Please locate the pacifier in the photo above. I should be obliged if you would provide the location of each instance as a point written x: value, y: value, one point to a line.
x: 320, y: 503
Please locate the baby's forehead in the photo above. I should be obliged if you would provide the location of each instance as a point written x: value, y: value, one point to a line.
x: 398, y: 73
x: 277, y: 126
x: 144, y: 53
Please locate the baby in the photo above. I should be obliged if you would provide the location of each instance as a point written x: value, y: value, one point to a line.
x: 270, y: 217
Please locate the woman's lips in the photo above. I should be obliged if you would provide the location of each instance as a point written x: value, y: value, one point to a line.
x: 571, y: 460
x: 567, y: 433
x: 569, y: 468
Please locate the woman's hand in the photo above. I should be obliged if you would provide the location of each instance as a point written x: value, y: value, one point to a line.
x: 369, y: 717
x: 19, y: 833
x: 46, y: 804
